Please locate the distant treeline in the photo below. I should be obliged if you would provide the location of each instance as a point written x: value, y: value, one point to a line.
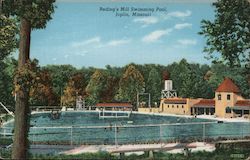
x: 61, y: 84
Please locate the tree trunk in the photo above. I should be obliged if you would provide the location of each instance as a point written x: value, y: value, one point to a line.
x: 21, y: 127
x: 1, y: 6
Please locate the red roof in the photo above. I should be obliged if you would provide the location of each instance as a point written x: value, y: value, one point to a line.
x: 175, y: 101
x: 228, y: 86
x: 114, y: 105
x: 205, y: 102
x: 243, y: 103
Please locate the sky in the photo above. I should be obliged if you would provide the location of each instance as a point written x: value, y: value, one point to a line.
x: 86, y: 34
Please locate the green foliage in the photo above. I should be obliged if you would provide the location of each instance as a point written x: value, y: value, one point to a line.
x: 75, y: 87
x: 38, y: 12
x: 189, y: 80
x: 120, y: 84
x: 220, y: 71
x: 60, y: 75
x: 112, y: 84
x: 6, y: 81
x: 8, y: 32
x: 153, y: 85
x: 131, y: 83
x: 229, y: 33
x: 96, y: 86
x: 41, y: 92
x: 26, y: 76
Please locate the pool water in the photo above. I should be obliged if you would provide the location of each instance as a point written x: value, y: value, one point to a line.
x: 92, y: 119
x: 88, y: 128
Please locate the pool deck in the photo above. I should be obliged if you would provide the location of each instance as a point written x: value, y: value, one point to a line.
x: 208, y: 117
x: 170, y: 147
x: 223, y: 119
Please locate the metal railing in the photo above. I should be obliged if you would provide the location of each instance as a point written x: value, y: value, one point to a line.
x: 6, y: 109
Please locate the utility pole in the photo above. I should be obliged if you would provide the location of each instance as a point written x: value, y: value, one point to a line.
x: 137, y: 100
x: 149, y: 100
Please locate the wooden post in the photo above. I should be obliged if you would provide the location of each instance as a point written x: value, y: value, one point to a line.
x: 71, y: 135
x: 161, y: 135
x: 116, y: 143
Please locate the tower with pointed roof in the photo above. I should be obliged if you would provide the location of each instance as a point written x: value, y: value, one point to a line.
x: 226, y: 96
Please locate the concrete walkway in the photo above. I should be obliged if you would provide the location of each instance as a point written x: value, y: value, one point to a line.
x: 173, y: 147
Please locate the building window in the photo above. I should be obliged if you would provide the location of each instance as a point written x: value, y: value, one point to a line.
x: 228, y: 97
x: 172, y: 106
x: 168, y: 106
x: 228, y: 110
x: 177, y: 106
x: 219, y: 96
x: 182, y: 106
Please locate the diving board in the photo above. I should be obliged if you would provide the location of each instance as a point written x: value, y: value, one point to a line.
x: 113, y: 114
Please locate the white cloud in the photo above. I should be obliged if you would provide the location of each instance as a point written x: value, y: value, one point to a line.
x: 156, y: 35
x: 95, y: 43
x: 187, y: 41
x: 87, y: 42
x: 182, y: 25
x: 82, y: 53
x: 118, y: 42
x: 54, y: 59
x: 66, y: 56
x: 146, y: 21
x: 179, y: 14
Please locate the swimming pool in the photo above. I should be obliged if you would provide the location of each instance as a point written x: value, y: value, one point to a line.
x: 87, y: 128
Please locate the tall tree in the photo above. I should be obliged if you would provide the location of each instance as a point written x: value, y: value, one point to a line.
x: 8, y: 44
x: 194, y: 84
x: 153, y: 85
x: 229, y: 33
x: 6, y: 82
x: 33, y: 14
x: 96, y: 87
x: 112, y: 84
x: 60, y: 75
x: 41, y: 93
x: 75, y: 87
x: 178, y: 73
x: 8, y: 32
x: 131, y: 83
x: 189, y: 79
